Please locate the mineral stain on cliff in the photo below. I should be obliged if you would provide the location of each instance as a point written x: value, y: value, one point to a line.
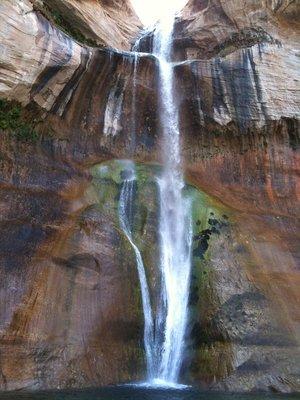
x: 61, y: 250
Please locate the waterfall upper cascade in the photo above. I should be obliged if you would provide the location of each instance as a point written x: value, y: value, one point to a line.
x: 164, y: 333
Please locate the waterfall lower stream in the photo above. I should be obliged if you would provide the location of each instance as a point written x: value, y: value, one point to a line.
x: 126, y: 217
x: 164, y: 333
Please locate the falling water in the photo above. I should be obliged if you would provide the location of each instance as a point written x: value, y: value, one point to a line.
x: 134, y: 92
x: 175, y: 222
x: 126, y: 217
x: 164, y: 333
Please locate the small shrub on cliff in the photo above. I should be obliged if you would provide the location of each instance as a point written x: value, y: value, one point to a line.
x: 58, y: 19
x: 67, y: 28
x: 12, y: 121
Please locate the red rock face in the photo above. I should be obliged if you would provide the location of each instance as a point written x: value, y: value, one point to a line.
x: 69, y: 315
x: 66, y: 312
x: 108, y: 23
x: 262, y: 196
x: 207, y: 28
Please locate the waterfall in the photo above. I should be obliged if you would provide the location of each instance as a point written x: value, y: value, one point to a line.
x: 164, y: 332
x: 126, y: 219
x: 175, y: 222
x: 133, y: 104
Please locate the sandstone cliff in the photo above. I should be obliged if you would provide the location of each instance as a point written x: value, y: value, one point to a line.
x: 110, y: 23
x: 69, y: 307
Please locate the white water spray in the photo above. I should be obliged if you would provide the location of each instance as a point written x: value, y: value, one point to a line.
x: 133, y: 108
x: 164, y: 335
x: 175, y: 221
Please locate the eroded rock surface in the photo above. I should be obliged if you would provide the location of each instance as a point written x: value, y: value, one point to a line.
x: 207, y: 28
x: 67, y: 316
x: 110, y: 23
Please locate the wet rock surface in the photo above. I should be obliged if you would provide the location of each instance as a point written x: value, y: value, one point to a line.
x: 68, y: 280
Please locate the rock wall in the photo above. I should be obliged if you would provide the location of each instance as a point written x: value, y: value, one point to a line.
x: 59, y: 257
x: 111, y: 23
x: 210, y: 27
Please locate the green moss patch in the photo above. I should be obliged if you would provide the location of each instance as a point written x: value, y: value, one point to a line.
x: 15, y: 121
x: 210, y: 224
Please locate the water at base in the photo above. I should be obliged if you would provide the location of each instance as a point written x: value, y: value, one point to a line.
x: 158, y: 384
x: 138, y: 393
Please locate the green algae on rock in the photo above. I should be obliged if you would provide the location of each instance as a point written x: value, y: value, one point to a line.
x: 210, y: 221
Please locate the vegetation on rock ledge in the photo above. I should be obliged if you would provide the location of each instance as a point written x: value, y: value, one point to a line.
x: 13, y: 121
x: 58, y: 19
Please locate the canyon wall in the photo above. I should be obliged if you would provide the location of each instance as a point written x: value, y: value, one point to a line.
x: 70, y: 312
